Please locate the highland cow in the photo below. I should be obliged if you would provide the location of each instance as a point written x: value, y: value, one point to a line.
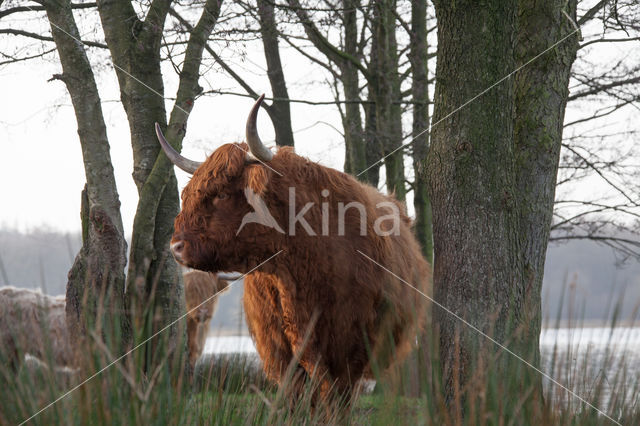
x: 319, y: 304
x: 199, y: 291
x: 33, y: 323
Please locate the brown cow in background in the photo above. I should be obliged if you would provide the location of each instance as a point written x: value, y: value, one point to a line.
x: 200, y: 287
x: 320, y: 301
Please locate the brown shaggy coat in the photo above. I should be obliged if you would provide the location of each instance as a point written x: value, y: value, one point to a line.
x: 199, y: 287
x: 319, y: 299
x: 33, y: 323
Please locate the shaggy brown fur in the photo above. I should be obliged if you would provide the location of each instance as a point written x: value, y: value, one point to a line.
x: 198, y: 287
x: 319, y: 299
x: 33, y: 323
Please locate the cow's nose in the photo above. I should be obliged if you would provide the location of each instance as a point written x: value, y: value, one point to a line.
x: 176, y: 249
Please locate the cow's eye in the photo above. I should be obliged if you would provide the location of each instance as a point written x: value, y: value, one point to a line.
x: 221, y: 195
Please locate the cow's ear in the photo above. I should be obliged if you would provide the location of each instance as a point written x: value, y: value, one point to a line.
x: 256, y: 177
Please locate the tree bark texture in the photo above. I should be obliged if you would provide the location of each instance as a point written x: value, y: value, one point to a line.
x: 478, y: 261
x: 492, y: 168
x: 541, y: 93
x: 96, y: 280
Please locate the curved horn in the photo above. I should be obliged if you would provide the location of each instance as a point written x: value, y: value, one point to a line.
x: 185, y: 164
x: 256, y: 147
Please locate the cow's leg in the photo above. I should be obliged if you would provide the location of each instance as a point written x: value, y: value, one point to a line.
x: 264, y: 316
x: 300, y: 332
x: 192, y: 340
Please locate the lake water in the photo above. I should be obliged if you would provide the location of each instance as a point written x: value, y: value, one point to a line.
x: 597, y: 340
x: 229, y: 345
x: 585, y: 360
x: 601, y: 365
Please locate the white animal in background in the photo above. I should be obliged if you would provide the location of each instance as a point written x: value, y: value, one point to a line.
x: 33, y: 323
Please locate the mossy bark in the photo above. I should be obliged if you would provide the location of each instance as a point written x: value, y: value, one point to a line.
x: 152, y: 275
x: 471, y: 167
x: 96, y: 280
x: 154, y: 285
x: 492, y: 167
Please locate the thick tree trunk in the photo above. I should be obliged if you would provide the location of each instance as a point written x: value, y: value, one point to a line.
x: 541, y: 91
x: 492, y: 168
x: 478, y: 261
x: 279, y: 110
x: 96, y: 280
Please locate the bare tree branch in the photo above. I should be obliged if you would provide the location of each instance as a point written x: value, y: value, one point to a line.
x: 602, y: 175
x: 252, y: 93
x: 609, y: 40
x: 604, y: 87
x: 592, y: 12
x: 35, y: 8
x: 322, y: 44
x: 46, y: 38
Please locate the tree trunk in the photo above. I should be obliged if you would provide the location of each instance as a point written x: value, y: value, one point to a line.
x: 355, y: 148
x: 420, y: 95
x: 387, y: 96
x: 420, y: 126
x: 478, y: 262
x: 492, y: 168
x: 541, y: 92
x: 96, y: 280
x: 279, y: 110
x: 374, y: 146
x: 154, y: 285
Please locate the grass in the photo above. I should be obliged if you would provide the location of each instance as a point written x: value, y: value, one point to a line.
x: 232, y: 390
